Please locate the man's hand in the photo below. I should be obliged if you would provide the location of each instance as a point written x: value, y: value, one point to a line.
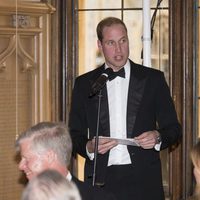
x: 104, y: 145
x: 147, y: 140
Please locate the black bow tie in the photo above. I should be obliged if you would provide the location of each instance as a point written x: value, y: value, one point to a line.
x: 120, y: 73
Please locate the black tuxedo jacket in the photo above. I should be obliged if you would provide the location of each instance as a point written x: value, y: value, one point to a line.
x: 89, y: 192
x: 149, y: 107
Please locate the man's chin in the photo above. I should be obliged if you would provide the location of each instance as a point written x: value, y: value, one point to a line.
x: 118, y: 65
x: 29, y: 176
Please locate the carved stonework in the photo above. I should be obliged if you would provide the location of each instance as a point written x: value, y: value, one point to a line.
x: 2, y: 67
x: 4, y: 55
x: 21, y: 21
x: 28, y: 62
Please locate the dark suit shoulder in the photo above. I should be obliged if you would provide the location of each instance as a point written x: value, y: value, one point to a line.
x: 89, y: 192
x: 84, y: 82
x: 93, y: 74
x: 143, y: 70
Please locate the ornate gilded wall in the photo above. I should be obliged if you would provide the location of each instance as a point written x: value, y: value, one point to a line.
x: 25, y: 68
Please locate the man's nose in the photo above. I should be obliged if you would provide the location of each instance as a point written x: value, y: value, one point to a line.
x: 118, y: 47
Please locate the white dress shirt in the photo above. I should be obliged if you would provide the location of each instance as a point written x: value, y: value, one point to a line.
x: 117, y: 102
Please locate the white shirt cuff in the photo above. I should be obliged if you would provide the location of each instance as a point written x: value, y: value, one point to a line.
x: 157, y: 146
x: 90, y: 155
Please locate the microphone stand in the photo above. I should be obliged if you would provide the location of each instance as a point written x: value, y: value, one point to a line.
x: 97, y: 138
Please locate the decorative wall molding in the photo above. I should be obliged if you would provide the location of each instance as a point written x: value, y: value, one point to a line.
x: 25, y: 79
x: 15, y: 45
x: 22, y: 21
x: 26, y: 7
x: 7, y: 52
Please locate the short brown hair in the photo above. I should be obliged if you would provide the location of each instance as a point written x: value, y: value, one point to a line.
x: 109, y: 21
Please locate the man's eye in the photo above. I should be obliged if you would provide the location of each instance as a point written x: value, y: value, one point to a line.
x: 110, y: 43
x: 123, y: 41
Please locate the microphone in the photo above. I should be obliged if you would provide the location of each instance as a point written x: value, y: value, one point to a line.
x: 101, y: 81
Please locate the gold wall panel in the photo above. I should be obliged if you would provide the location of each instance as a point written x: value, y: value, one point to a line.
x: 25, y: 96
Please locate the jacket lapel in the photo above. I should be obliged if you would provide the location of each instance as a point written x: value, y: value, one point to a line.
x: 135, y: 94
x: 104, y: 114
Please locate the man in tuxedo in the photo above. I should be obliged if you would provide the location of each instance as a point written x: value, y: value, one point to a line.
x: 47, y: 145
x: 135, y: 103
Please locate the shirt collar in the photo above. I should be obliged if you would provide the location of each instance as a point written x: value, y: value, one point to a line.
x: 69, y: 176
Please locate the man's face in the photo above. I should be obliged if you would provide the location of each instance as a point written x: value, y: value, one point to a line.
x: 115, y: 46
x: 32, y: 162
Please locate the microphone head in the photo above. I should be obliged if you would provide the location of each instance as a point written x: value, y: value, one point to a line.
x: 101, y: 81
